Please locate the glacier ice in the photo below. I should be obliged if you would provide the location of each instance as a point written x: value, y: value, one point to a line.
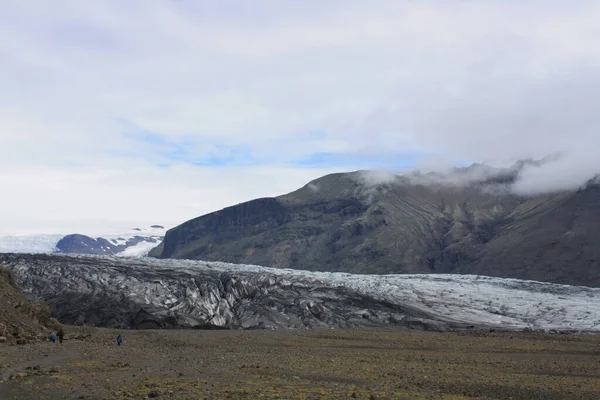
x: 146, y: 292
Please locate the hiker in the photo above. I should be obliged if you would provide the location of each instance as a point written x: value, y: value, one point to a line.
x: 61, y: 334
x: 119, y: 340
x: 53, y: 337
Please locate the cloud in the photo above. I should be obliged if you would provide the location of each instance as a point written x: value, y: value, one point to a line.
x: 564, y: 173
x: 140, y: 89
x: 96, y: 200
x: 551, y: 174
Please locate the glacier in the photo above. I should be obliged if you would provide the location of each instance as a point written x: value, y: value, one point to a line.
x: 150, y: 293
x: 29, y: 243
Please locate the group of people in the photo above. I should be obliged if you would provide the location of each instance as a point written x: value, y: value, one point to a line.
x: 61, y: 334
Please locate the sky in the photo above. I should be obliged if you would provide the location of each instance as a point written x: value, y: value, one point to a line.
x: 116, y: 114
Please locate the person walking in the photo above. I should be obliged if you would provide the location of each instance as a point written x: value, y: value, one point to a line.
x: 61, y: 335
x: 53, y: 337
x: 119, y: 340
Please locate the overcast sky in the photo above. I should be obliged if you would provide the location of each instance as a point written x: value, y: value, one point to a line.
x: 120, y: 113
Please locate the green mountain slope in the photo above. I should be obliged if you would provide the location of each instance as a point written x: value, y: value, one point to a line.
x: 548, y: 238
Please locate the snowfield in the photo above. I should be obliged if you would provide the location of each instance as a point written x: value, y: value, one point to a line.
x: 29, y: 243
x: 146, y: 292
x: 139, y: 250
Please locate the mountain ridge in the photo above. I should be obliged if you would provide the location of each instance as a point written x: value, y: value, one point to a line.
x: 468, y: 221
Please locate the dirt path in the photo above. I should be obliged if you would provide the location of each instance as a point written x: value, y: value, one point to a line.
x: 359, y: 363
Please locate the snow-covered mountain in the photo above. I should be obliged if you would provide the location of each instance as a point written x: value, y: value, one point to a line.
x: 145, y: 292
x: 136, y: 242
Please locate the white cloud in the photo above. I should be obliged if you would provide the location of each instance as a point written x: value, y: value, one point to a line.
x: 90, y: 201
x: 460, y: 81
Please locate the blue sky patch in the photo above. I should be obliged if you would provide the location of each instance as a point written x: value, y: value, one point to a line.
x: 393, y: 161
x: 163, y: 151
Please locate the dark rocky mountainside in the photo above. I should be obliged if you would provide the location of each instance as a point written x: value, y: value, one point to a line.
x: 548, y: 238
x: 363, y: 222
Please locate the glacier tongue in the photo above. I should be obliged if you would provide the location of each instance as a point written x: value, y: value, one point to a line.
x: 145, y: 292
x: 29, y: 243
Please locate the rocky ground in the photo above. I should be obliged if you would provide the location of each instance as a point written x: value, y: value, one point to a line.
x: 339, y: 363
x: 22, y: 321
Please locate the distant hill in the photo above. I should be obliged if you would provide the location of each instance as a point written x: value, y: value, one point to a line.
x: 467, y: 222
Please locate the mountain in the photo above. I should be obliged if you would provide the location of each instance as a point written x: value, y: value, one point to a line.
x: 469, y: 221
x: 150, y: 293
x: 137, y: 242
x: 134, y: 243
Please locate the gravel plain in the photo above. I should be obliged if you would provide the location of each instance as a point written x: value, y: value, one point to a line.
x: 315, y: 364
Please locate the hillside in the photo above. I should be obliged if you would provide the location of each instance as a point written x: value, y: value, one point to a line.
x: 21, y: 321
x: 469, y: 222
